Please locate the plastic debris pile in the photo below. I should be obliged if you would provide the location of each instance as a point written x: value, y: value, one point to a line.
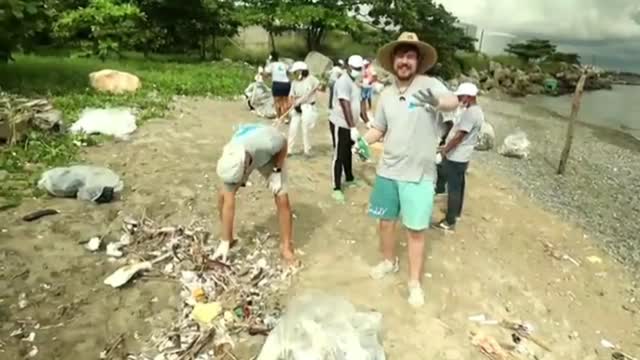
x: 219, y: 300
x: 18, y: 115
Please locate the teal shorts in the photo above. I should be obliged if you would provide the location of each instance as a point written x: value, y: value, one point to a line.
x: 413, y: 201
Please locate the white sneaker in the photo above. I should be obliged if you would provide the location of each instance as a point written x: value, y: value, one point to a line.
x: 416, y: 294
x: 383, y: 269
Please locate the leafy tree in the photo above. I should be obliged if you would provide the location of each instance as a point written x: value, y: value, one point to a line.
x: 431, y: 22
x: 19, y: 21
x: 532, y: 50
x: 569, y: 58
x: 104, y: 27
x: 315, y: 17
x: 187, y: 24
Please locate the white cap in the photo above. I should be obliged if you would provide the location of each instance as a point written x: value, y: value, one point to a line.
x: 355, y: 61
x: 340, y: 61
x: 366, y: 62
x: 467, y: 89
x: 231, y: 164
x: 299, y: 66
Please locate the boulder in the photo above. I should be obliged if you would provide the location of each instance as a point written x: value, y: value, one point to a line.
x: 318, y: 63
x: 494, y: 66
x: 489, y: 84
x: 114, y: 82
x: 473, y: 73
x: 501, y: 75
x: 486, y: 138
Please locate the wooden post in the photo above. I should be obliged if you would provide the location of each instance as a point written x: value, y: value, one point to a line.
x: 575, y: 108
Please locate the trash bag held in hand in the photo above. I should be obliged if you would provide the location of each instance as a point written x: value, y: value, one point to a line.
x: 486, y: 138
x: 322, y: 327
x: 89, y: 183
x: 515, y: 145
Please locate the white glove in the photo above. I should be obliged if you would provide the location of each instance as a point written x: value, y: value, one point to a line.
x: 275, y: 182
x: 438, y: 158
x: 222, y: 251
x: 355, y: 134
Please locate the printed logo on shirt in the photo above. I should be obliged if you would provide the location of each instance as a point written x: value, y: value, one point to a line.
x: 246, y: 129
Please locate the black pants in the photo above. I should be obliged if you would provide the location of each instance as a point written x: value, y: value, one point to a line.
x: 455, y: 174
x: 441, y: 183
x: 342, y: 155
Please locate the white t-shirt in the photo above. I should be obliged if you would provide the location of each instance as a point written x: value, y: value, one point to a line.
x: 346, y: 89
x: 471, y: 121
x: 278, y: 71
x: 334, y: 74
x: 300, y: 88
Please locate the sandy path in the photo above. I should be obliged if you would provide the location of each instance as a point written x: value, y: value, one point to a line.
x: 494, y: 264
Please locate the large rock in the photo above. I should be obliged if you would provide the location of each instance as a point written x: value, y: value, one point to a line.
x: 114, y: 82
x: 318, y: 63
x: 494, y: 66
x: 473, y: 73
x: 501, y: 75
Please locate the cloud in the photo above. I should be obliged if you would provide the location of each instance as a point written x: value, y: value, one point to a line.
x: 607, y: 31
x: 575, y: 19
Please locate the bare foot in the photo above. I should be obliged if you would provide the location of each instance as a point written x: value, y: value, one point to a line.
x: 289, y: 258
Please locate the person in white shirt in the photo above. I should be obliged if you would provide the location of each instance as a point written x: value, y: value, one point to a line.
x: 303, y: 98
x: 334, y: 74
x: 280, y: 84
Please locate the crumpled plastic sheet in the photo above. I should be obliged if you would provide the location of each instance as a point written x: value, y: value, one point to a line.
x: 117, y: 122
x: 515, y: 145
x: 83, y: 182
x: 317, y: 326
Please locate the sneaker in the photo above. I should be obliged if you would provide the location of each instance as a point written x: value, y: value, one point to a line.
x: 338, y: 196
x: 383, y: 269
x: 444, y: 225
x: 416, y: 294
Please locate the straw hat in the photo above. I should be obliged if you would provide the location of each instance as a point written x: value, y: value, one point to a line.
x: 428, y: 54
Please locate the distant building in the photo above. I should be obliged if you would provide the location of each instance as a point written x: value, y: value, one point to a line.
x: 470, y: 30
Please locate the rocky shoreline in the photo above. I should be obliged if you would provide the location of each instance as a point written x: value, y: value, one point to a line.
x: 518, y: 83
x: 599, y: 190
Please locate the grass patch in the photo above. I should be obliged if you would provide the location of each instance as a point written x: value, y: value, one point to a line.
x: 65, y: 82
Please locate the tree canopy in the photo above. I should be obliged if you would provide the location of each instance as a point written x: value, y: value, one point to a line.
x: 430, y: 21
x: 532, y: 50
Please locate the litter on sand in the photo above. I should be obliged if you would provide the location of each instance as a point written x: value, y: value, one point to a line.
x: 117, y: 122
x: 220, y: 301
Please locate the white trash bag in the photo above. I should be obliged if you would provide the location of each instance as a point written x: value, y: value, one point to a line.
x: 83, y: 182
x: 322, y: 327
x: 486, y: 138
x: 515, y: 145
x: 117, y: 122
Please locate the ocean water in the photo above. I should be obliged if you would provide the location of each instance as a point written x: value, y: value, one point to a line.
x: 618, y: 108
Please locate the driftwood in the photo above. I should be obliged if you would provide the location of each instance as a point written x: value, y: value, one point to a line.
x: 575, y: 108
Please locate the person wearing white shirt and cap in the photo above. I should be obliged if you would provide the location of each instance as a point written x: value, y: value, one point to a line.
x: 457, y: 151
x: 335, y: 73
x: 254, y: 147
x: 303, y: 97
x: 347, y: 108
x: 280, y: 83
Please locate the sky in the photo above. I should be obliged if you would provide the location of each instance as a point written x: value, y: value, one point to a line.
x: 605, y: 30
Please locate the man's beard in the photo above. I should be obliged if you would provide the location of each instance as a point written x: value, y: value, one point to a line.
x: 409, y: 75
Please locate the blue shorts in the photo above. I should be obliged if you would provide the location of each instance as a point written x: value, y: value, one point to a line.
x: 393, y: 199
x: 367, y: 93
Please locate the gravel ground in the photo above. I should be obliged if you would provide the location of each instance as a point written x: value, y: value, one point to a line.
x: 601, y: 187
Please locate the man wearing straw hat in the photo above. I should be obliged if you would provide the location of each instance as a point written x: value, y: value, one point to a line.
x: 406, y: 116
